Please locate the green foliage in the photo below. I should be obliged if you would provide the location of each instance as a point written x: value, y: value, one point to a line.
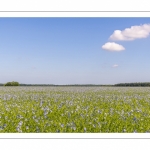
x: 74, y: 109
x: 134, y: 84
x: 13, y: 83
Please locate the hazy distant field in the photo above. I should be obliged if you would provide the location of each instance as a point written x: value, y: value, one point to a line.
x: 74, y: 109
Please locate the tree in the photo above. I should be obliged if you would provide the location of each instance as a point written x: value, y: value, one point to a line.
x: 13, y: 83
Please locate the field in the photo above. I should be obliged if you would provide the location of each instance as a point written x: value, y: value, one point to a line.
x: 74, y: 109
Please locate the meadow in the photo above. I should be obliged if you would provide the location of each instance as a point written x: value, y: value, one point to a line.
x: 74, y: 109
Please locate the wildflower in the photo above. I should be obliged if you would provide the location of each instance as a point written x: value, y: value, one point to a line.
x: 5, y: 125
x: 19, y: 130
x: 37, y: 129
x: 1, y: 127
x: 19, y: 126
x: 99, y: 111
x: 94, y: 125
x: 134, y: 131
x: 57, y: 131
x: 62, y: 125
x: 124, y: 130
x: 135, y: 119
x: 74, y: 128
x: 20, y: 123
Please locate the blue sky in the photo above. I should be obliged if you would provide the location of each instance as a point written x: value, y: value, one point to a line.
x: 72, y: 51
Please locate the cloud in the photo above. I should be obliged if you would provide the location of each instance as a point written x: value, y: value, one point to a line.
x: 132, y: 33
x: 112, y: 46
x: 114, y: 66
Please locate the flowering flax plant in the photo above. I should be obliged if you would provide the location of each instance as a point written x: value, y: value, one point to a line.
x: 74, y: 109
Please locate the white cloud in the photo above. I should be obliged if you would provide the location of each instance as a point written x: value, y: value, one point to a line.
x: 114, y: 66
x: 132, y: 33
x: 112, y: 46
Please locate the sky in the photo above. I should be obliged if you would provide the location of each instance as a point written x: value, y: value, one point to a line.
x: 74, y: 50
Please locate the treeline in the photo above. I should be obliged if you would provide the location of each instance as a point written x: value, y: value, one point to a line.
x: 36, y: 85
x: 142, y: 84
x: 20, y: 84
x: 13, y: 83
x: 134, y: 84
x: 62, y: 85
x: 94, y: 85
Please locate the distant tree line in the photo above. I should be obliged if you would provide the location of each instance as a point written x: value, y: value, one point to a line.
x: 62, y: 85
x: 36, y: 84
x: 20, y: 84
x: 13, y: 83
x: 134, y: 84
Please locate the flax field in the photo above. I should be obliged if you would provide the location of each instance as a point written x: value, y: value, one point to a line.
x: 71, y: 109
